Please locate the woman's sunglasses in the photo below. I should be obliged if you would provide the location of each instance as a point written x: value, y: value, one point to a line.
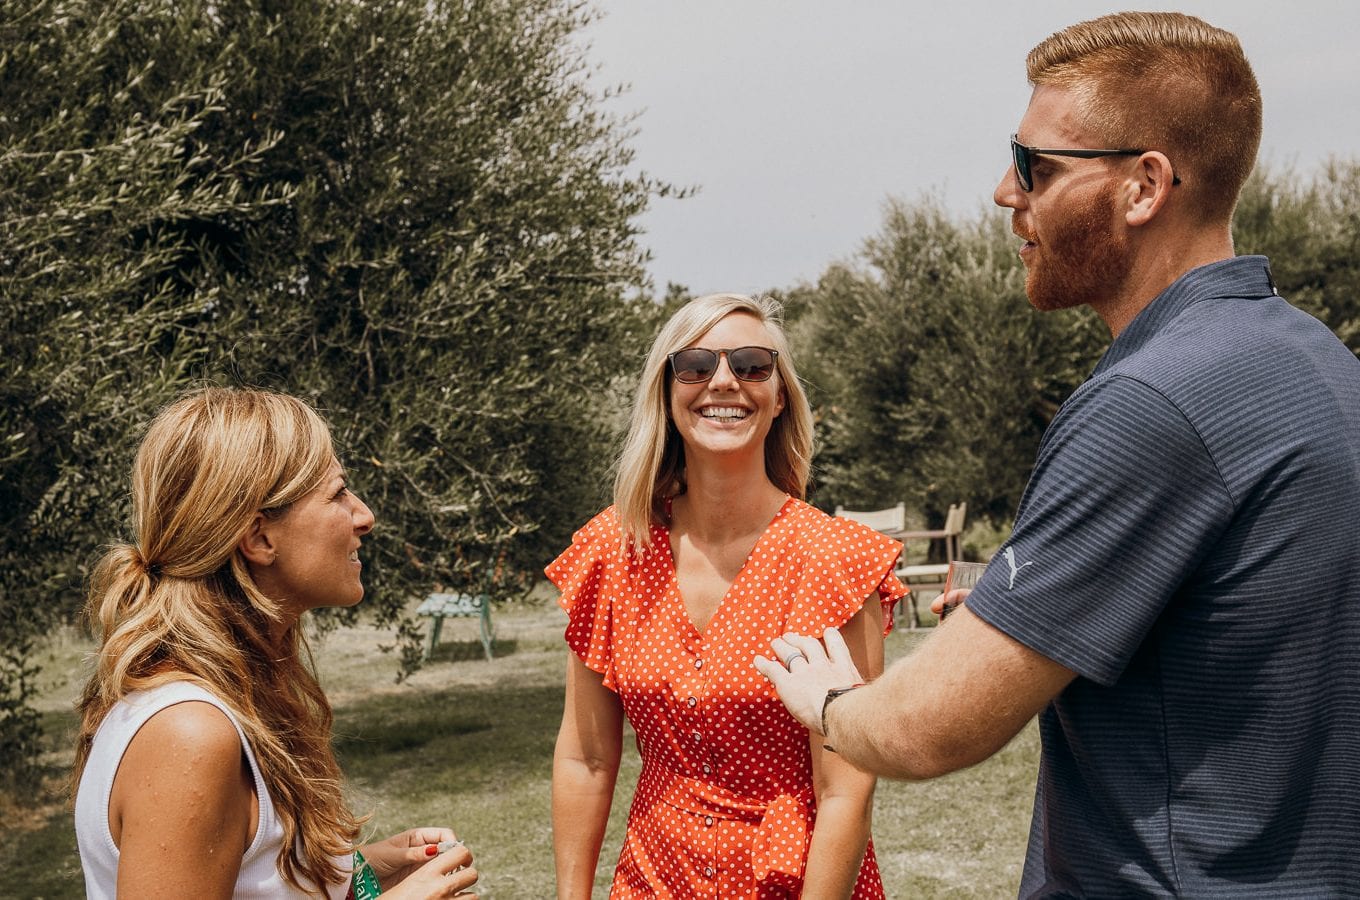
x: 697, y: 365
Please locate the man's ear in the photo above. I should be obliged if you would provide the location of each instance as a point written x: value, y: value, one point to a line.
x: 1150, y: 189
x: 257, y: 544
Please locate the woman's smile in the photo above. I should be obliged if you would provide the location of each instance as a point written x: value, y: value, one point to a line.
x: 724, y: 413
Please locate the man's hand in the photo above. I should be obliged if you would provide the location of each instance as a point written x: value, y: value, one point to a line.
x: 952, y: 599
x: 803, y: 671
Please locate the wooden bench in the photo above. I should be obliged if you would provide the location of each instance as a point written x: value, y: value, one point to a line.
x: 446, y: 606
x: 892, y: 522
x: 889, y: 521
x: 931, y: 576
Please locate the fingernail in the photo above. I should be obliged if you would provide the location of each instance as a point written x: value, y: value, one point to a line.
x: 431, y: 849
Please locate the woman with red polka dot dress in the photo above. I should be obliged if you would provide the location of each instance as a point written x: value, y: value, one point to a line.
x: 708, y: 553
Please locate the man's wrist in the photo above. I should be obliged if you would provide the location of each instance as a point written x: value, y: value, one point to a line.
x: 826, y: 705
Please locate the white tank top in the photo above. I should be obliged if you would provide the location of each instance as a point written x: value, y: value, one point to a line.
x: 259, y: 876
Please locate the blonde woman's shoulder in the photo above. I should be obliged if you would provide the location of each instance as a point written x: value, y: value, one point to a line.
x: 183, y: 785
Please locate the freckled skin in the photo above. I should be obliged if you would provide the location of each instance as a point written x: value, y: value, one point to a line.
x: 183, y: 788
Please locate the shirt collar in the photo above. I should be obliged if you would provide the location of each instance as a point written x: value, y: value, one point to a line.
x: 1247, y: 277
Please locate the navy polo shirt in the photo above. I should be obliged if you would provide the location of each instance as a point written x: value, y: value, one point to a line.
x: 1189, y: 544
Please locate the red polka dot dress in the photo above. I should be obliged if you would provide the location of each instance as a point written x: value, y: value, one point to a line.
x: 724, y: 804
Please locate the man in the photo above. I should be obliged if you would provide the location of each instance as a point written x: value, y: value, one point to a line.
x: 1180, y: 598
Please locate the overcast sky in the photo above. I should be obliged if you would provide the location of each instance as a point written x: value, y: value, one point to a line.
x: 796, y: 119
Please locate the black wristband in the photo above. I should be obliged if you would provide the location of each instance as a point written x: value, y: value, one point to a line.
x: 826, y: 704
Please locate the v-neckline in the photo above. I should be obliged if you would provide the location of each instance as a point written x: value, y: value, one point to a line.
x: 722, y: 601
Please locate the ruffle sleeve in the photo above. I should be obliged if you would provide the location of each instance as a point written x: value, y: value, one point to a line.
x: 847, y: 563
x: 585, y: 574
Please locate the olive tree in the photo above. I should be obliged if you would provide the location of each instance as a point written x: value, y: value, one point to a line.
x: 933, y: 380
x: 414, y: 213
x: 1310, y: 229
x: 931, y: 376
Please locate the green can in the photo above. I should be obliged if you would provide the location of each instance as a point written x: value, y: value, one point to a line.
x: 364, y: 885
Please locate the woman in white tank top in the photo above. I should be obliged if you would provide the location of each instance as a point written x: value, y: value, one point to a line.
x: 204, y: 763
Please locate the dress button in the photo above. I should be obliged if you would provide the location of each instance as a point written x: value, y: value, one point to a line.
x: 691, y: 702
x: 708, y: 820
x: 708, y: 871
x: 696, y: 735
x: 698, y: 664
x: 708, y: 770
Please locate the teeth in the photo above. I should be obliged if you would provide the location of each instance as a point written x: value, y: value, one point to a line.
x: 727, y: 413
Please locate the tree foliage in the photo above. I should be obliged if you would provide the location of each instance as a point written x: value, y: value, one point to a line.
x: 1310, y: 229
x: 931, y: 377
x: 413, y: 213
x: 416, y: 214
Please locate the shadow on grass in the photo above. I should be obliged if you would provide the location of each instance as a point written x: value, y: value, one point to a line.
x: 487, y: 741
x: 470, y: 650
x: 400, y: 736
x: 37, y: 836
x: 59, y: 728
x: 468, y: 734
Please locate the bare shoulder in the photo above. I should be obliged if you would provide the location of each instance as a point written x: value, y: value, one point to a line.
x: 182, y: 773
x: 195, y: 728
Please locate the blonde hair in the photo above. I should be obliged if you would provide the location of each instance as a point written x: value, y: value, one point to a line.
x: 179, y: 604
x: 1168, y: 82
x: 651, y: 465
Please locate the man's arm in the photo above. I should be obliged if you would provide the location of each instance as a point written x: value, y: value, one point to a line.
x: 957, y: 700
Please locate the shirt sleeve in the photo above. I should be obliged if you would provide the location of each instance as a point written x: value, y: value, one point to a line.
x: 1124, y: 503
x: 846, y: 563
x: 585, y: 573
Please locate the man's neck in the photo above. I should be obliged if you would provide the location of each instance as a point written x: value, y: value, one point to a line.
x: 1157, y: 266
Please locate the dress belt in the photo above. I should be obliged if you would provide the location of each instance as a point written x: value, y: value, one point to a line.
x: 783, y: 825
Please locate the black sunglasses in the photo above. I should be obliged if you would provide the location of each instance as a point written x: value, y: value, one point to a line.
x: 697, y: 365
x: 1024, y: 157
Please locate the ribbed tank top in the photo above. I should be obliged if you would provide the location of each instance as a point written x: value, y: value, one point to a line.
x: 259, y: 876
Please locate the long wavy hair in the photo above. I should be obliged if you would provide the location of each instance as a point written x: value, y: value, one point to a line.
x: 179, y: 604
x: 651, y: 465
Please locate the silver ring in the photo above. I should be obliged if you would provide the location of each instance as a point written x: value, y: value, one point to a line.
x: 794, y: 655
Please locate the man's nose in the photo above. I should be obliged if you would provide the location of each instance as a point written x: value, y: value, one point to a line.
x: 1008, y: 193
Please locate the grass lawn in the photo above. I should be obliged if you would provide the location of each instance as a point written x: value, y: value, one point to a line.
x: 468, y: 743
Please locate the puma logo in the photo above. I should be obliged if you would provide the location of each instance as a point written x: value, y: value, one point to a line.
x: 1015, y: 570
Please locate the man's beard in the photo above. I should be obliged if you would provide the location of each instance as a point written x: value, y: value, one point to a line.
x: 1081, y: 260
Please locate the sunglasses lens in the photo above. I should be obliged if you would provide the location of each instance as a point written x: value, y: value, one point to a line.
x: 1020, y: 153
x: 751, y: 363
x: 694, y: 365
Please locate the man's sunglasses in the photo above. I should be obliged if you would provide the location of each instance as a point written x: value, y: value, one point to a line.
x: 697, y: 365
x: 1024, y: 157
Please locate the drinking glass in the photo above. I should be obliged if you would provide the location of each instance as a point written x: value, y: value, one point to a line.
x: 961, y: 576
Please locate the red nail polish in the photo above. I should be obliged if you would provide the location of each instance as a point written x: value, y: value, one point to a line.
x: 431, y: 849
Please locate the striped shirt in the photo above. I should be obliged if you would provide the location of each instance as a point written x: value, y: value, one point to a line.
x: 1189, y: 544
